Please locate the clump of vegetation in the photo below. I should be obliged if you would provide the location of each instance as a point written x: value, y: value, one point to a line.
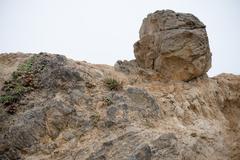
x: 107, y: 101
x: 22, y: 82
x: 7, y: 99
x: 27, y: 66
x: 112, y: 84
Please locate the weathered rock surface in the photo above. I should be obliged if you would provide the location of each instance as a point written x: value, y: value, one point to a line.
x: 55, y: 108
x: 71, y: 115
x: 173, y: 44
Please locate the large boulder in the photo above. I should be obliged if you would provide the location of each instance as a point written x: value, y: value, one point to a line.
x: 173, y: 44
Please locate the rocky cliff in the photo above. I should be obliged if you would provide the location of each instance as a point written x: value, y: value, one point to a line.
x: 52, y: 107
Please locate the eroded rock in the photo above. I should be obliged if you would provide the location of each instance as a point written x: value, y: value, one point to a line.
x: 174, y: 44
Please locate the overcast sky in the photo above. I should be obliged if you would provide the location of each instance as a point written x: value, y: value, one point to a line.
x: 103, y: 31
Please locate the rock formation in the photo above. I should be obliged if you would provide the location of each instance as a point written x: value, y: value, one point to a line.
x: 173, y: 44
x: 53, y: 108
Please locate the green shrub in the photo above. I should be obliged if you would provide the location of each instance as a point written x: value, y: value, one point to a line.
x: 8, y: 99
x: 112, y: 84
x: 20, y: 83
x: 26, y: 67
x: 19, y: 89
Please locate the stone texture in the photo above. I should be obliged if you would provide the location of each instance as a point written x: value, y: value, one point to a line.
x: 143, y: 152
x: 173, y: 44
x: 147, y: 119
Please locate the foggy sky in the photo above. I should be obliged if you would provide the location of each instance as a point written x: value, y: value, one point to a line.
x: 105, y: 31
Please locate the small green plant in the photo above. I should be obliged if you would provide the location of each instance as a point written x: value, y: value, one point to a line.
x: 107, y: 101
x: 19, y: 89
x: 20, y: 83
x: 26, y: 67
x: 112, y: 84
x: 8, y: 99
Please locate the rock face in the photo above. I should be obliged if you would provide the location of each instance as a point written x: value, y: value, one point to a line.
x: 173, y: 44
x: 68, y: 113
x: 54, y: 108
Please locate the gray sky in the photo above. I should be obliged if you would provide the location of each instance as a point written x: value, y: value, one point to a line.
x: 104, y: 31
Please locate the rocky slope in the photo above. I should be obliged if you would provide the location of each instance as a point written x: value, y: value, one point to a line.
x: 56, y: 108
